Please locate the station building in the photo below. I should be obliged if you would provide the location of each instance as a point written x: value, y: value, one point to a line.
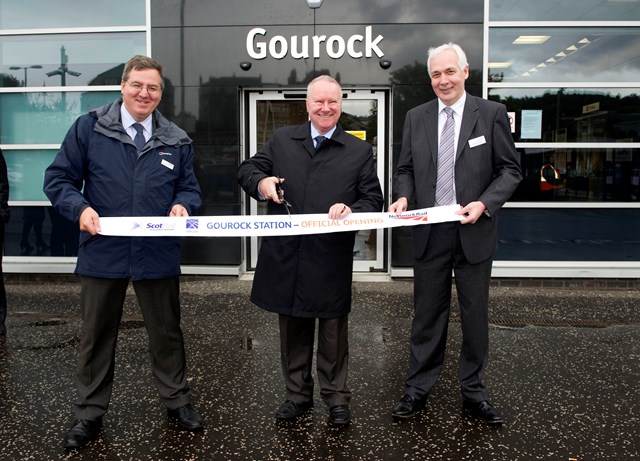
x: 567, y: 70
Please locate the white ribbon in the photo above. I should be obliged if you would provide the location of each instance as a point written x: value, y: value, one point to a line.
x: 269, y: 225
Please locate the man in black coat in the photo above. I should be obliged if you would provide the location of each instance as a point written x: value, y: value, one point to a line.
x: 4, y: 219
x: 320, y: 169
x: 483, y: 171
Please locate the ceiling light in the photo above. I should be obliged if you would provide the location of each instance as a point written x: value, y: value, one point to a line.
x: 499, y: 65
x: 571, y: 48
x: 531, y: 39
x: 551, y: 60
x: 562, y: 54
x: 585, y: 41
x: 542, y: 64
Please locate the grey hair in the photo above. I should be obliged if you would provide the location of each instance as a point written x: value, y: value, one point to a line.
x: 462, y: 57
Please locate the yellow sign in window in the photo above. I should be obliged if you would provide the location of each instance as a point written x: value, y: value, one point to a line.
x: 358, y: 134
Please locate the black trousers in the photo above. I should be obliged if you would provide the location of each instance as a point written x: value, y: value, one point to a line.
x: 101, y: 303
x: 432, y: 299
x: 297, y: 336
x: 3, y: 292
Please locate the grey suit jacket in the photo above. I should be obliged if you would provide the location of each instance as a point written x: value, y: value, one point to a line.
x: 486, y: 170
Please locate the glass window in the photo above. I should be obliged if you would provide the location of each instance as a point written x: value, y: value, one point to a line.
x: 579, y: 175
x: 25, y: 169
x: 41, y: 14
x: 564, y: 10
x: 67, y: 59
x: 40, y: 231
x: 556, y: 234
x: 44, y: 118
x: 568, y: 54
x: 574, y: 114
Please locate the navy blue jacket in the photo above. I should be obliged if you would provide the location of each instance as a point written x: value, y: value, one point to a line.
x: 98, y: 166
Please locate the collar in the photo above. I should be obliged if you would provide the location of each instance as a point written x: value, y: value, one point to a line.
x: 315, y: 132
x: 458, y: 106
x: 128, y: 120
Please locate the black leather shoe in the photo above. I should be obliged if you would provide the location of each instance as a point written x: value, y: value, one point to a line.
x: 483, y: 410
x: 290, y: 409
x: 81, y: 433
x: 407, y: 406
x: 339, y: 415
x: 186, y: 417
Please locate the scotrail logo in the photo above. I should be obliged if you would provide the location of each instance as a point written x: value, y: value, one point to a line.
x: 161, y: 226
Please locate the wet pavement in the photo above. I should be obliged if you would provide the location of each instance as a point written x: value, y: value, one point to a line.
x: 564, y: 370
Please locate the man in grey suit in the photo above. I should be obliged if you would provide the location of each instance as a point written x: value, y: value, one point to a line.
x: 481, y: 176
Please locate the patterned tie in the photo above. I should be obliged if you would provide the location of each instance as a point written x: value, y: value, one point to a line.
x: 319, y: 140
x: 139, y: 140
x: 446, y: 155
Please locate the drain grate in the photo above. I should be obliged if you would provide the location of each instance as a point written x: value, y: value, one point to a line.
x: 574, y: 323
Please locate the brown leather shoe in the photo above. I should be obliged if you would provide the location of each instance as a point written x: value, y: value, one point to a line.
x: 483, y: 410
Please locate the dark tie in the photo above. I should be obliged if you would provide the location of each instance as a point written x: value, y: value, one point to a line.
x: 444, y: 179
x: 139, y: 139
x: 319, y: 140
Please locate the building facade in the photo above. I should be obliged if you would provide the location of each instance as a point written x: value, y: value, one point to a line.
x: 567, y: 70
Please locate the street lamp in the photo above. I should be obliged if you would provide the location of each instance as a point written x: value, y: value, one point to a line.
x: 35, y: 66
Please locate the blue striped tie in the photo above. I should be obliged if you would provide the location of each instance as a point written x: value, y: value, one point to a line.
x: 319, y: 140
x: 446, y: 155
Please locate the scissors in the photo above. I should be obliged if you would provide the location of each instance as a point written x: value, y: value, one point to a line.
x: 280, y: 192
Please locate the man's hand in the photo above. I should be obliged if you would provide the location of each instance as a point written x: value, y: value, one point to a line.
x: 267, y: 188
x: 89, y: 221
x: 471, y: 212
x: 178, y: 210
x: 339, y: 210
x: 399, y: 206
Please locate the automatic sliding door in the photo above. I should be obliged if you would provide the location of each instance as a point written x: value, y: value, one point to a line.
x: 363, y: 115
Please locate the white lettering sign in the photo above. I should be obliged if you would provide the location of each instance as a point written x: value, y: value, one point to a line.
x: 278, y: 47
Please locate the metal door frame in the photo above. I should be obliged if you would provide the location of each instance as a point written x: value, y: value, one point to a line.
x: 252, y: 96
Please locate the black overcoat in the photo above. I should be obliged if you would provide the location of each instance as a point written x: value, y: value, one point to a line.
x: 310, y: 275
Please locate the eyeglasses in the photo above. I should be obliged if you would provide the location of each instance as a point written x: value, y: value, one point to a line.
x: 151, y: 89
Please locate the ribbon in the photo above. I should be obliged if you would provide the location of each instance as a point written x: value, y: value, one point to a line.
x: 269, y: 225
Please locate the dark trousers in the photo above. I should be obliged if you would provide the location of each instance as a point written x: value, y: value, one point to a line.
x: 432, y: 298
x: 101, y: 303
x: 3, y: 292
x: 297, y: 337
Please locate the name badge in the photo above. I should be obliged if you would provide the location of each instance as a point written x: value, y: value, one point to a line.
x: 477, y: 141
x: 164, y: 163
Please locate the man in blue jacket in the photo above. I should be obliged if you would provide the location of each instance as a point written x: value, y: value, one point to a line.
x: 126, y: 159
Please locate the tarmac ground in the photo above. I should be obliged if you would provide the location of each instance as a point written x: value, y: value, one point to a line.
x: 564, y: 370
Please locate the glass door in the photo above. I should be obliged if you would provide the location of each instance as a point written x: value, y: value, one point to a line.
x: 363, y: 115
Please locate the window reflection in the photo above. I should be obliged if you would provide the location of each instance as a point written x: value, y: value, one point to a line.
x: 37, y: 60
x: 70, y: 13
x: 576, y: 115
x: 44, y: 118
x: 24, y: 185
x: 570, y: 54
x: 40, y: 231
x: 563, y: 10
x: 580, y: 175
